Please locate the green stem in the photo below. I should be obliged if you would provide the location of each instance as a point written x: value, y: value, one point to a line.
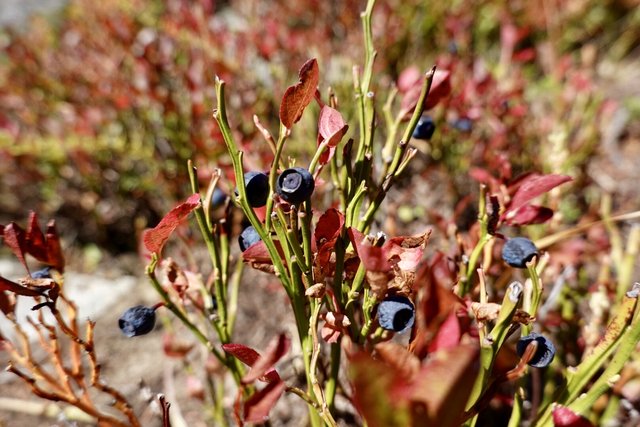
x: 208, y: 236
x: 332, y: 381
x: 577, y: 378
x: 233, y: 296
x: 493, y: 342
x: 273, y: 174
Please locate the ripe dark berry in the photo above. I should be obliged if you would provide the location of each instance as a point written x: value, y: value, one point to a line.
x: 425, y: 128
x: 248, y: 237
x: 463, y: 124
x: 45, y: 273
x: 518, y: 251
x: 295, y: 185
x: 396, y: 313
x: 138, y: 320
x: 544, y: 353
x: 257, y: 185
x: 218, y: 198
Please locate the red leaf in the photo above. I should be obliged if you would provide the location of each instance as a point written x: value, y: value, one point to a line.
x: 448, y: 334
x: 372, y: 257
x: 374, y: 383
x: 331, y: 126
x: 257, y: 407
x: 297, y: 97
x: 8, y: 285
x: 533, y: 186
x: 258, y: 253
x: 405, y: 252
x: 482, y: 176
x: 329, y: 226
x: 408, y: 78
x: 405, y: 363
x: 245, y: 354
x: 444, y: 384
x: 155, y: 238
x: 249, y: 357
x: 277, y: 348
x: 35, y: 240
x: 440, y: 88
x: 15, y: 238
x: 565, y: 417
x: 327, y: 231
x: 529, y: 214
x: 55, y: 257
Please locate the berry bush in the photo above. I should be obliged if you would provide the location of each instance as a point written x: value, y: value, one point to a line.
x: 508, y: 308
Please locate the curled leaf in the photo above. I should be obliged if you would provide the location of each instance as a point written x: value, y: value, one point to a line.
x: 331, y: 128
x: 14, y: 238
x: 155, y: 238
x: 297, y: 97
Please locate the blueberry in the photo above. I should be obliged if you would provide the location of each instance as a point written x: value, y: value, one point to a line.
x: 45, y: 273
x: 544, y: 354
x: 257, y: 185
x: 425, y: 128
x: 396, y: 313
x: 518, y: 251
x: 218, y: 198
x: 295, y: 185
x: 138, y: 320
x: 248, y: 237
x: 463, y: 124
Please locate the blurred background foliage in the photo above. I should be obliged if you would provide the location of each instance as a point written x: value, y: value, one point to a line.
x: 102, y: 103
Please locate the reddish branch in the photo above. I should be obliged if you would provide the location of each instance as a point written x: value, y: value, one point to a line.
x: 55, y: 380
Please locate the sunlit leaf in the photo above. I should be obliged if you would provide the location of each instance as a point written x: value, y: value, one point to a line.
x: 533, y: 186
x: 297, y: 97
x: 155, y: 238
